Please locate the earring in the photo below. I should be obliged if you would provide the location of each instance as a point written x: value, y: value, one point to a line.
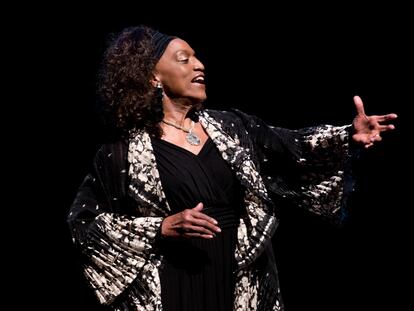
x: 159, y: 91
x: 157, y: 105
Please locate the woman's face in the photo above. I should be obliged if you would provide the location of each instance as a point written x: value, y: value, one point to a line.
x: 181, y: 73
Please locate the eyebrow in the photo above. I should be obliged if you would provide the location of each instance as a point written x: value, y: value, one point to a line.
x: 186, y: 51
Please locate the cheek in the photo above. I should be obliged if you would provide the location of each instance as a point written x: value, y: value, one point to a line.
x: 177, y: 86
x: 180, y: 80
x: 177, y: 81
x: 176, y: 75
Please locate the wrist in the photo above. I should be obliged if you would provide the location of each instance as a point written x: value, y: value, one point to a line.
x: 160, y: 233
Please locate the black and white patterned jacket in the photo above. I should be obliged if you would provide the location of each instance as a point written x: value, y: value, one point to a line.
x: 116, y: 216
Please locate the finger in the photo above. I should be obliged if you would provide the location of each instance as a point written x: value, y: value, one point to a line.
x: 206, y: 224
x: 387, y: 127
x: 363, y: 139
x: 386, y: 117
x: 190, y: 217
x: 368, y: 145
x: 376, y: 138
x: 198, y: 214
x: 198, y: 207
x: 198, y: 229
x: 205, y: 217
x: 359, y: 105
x: 367, y: 140
x: 198, y: 235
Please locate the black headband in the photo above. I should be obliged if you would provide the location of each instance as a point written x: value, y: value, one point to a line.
x: 160, y: 42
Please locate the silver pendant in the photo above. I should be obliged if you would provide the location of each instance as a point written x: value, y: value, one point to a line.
x: 193, y: 139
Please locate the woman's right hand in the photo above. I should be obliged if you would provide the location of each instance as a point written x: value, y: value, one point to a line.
x: 190, y: 223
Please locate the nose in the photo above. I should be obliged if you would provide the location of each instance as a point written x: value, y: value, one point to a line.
x: 198, y: 65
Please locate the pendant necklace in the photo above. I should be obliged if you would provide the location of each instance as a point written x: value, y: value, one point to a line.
x: 191, y: 137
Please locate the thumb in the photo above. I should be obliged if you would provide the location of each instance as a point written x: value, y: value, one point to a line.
x: 198, y: 207
x: 359, y: 105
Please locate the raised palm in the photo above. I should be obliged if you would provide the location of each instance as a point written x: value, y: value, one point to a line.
x: 368, y: 129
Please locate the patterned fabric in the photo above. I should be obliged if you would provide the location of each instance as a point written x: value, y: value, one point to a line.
x: 116, y: 216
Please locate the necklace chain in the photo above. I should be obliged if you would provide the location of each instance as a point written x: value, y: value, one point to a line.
x: 179, y: 127
x: 191, y: 137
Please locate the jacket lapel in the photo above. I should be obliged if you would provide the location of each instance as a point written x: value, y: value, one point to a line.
x: 145, y: 184
x: 237, y: 156
x: 255, y: 230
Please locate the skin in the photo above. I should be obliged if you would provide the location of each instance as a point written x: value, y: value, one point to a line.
x: 368, y: 129
x: 175, y: 72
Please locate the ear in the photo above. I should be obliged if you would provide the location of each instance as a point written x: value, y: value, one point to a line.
x: 155, y: 80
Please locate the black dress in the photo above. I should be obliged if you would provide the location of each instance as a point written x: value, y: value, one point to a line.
x: 198, y: 273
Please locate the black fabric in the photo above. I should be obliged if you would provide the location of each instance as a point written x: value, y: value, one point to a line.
x: 197, y: 273
x: 106, y: 193
x: 278, y: 153
x: 160, y: 42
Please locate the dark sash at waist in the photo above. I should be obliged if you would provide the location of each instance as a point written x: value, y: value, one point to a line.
x: 226, y: 215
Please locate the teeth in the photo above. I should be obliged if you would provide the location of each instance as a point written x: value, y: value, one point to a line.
x: 199, y: 79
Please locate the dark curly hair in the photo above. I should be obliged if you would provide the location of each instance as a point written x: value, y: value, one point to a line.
x: 128, y: 99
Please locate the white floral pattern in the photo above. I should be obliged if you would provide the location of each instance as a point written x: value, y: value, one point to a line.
x: 261, y: 219
x: 122, y: 252
x: 145, y: 178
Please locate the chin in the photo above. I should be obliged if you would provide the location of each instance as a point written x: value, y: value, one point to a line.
x: 199, y: 98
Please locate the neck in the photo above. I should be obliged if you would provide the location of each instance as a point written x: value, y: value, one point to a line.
x: 187, y: 130
x: 176, y: 114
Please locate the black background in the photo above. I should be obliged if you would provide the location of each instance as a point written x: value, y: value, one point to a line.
x: 293, y: 68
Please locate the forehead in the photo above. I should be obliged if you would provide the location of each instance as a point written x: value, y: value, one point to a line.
x: 176, y: 45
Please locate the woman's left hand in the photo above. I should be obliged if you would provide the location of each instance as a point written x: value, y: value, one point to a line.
x: 368, y: 129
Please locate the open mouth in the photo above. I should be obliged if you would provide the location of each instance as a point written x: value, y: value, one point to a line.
x: 199, y: 79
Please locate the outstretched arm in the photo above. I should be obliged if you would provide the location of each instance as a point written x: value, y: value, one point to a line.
x: 368, y: 129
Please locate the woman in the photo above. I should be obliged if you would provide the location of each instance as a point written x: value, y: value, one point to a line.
x: 178, y: 213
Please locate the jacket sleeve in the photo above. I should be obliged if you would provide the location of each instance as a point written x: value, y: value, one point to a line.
x: 115, y: 242
x: 309, y: 167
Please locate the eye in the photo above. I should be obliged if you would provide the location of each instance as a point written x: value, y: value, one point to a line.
x: 183, y: 60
